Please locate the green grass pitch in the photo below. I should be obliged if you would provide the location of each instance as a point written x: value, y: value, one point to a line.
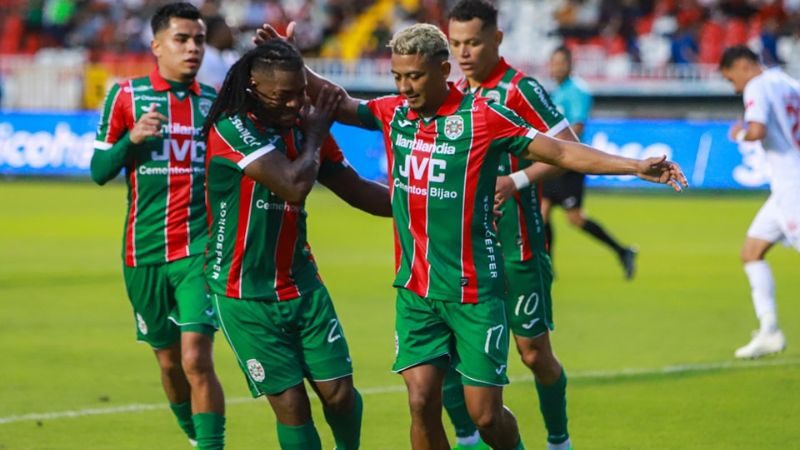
x: 650, y: 361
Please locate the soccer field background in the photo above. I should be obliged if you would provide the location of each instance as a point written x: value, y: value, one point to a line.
x: 649, y: 362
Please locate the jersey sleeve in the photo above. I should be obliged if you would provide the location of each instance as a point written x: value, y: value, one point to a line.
x: 369, y: 115
x: 509, y: 131
x: 531, y: 101
x: 111, y: 142
x: 332, y: 159
x: 237, y: 142
x: 756, y: 107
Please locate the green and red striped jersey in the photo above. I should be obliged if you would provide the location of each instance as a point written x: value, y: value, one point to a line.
x: 165, y: 176
x: 442, y: 176
x: 258, y: 248
x: 520, y: 229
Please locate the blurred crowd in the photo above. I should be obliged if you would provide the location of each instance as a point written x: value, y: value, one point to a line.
x: 676, y: 31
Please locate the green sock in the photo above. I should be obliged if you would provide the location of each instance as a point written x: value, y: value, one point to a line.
x: 303, y: 437
x: 347, y: 428
x: 210, y: 430
x: 455, y: 405
x: 553, y: 404
x: 183, y: 412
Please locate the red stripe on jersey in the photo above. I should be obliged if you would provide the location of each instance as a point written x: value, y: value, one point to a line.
x: 130, y: 232
x: 525, y: 243
x: 519, y: 104
x: 285, y: 286
x: 477, y: 153
x: 417, y: 165
x: 246, y: 188
x: 179, y: 184
x: 118, y: 123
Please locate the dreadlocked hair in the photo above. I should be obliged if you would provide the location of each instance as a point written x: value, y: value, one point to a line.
x: 235, y: 97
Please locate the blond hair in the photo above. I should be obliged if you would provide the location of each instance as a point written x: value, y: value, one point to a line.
x: 420, y: 39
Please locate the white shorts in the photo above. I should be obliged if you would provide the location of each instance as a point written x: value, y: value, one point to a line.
x: 778, y: 220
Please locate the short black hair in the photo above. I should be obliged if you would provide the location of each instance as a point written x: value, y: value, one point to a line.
x: 735, y: 53
x: 181, y: 10
x: 466, y: 10
x: 565, y: 51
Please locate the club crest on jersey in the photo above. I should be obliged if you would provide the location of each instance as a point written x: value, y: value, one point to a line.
x: 141, y: 324
x: 453, y: 127
x: 256, y: 370
x: 205, y: 106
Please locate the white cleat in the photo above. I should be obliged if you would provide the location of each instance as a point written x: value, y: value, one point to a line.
x: 763, y: 343
x: 192, y: 442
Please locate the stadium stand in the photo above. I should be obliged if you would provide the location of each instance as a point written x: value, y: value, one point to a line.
x: 665, y: 47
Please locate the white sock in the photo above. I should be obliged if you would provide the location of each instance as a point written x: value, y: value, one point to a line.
x: 469, y: 440
x: 762, y: 288
x: 566, y: 445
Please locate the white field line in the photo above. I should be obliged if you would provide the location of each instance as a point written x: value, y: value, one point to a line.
x: 378, y: 390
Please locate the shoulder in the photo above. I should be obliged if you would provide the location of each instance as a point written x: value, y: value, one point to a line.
x: 579, y: 85
x: 207, y: 91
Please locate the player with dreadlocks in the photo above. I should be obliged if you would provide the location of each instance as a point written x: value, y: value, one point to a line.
x: 266, y: 148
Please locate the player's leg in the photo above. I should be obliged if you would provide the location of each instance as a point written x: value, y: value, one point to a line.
x: 529, y: 310
x: 271, y: 361
x: 764, y: 231
x: 195, y: 315
x: 547, y: 204
x: 422, y: 358
x: 467, y: 436
x: 573, y: 191
x: 149, y: 294
x: 328, y: 363
x: 481, y: 357
x: 424, y: 385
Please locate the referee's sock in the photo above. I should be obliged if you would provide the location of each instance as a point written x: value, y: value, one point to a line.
x: 594, y: 228
x: 301, y: 437
x: 347, y: 428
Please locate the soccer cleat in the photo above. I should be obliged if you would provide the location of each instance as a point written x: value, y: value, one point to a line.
x: 628, y: 260
x: 566, y: 445
x: 193, y: 442
x: 763, y: 343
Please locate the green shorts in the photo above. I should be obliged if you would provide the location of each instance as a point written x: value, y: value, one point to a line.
x: 168, y: 299
x: 474, y: 336
x: 529, y: 304
x: 277, y: 344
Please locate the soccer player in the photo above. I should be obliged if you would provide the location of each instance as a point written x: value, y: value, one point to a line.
x: 443, y: 150
x: 150, y: 126
x: 574, y: 101
x: 771, y: 116
x: 475, y: 42
x: 274, y: 309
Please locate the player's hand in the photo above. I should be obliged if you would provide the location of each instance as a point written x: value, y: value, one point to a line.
x: 317, y: 119
x: 149, y: 125
x: 267, y: 32
x: 503, y: 190
x: 659, y: 170
x: 735, y: 129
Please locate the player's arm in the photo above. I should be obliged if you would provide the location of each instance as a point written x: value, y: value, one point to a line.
x: 358, y: 192
x: 754, y: 131
x: 585, y: 159
x: 113, y: 143
x: 293, y: 180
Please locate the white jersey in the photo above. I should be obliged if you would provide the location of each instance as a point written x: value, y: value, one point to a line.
x: 773, y: 99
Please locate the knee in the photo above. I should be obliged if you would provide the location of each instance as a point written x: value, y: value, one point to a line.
x: 487, y: 419
x: 576, y: 219
x: 749, y: 255
x: 422, y: 402
x: 196, y: 361
x: 341, y: 399
x: 171, y: 368
x: 541, y: 361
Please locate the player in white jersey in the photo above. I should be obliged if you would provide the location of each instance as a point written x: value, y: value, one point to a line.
x: 772, y: 116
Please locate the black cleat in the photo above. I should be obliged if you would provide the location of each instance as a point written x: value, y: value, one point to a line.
x: 628, y: 260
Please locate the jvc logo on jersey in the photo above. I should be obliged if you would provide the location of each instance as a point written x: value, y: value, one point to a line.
x: 181, y: 150
x: 417, y: 166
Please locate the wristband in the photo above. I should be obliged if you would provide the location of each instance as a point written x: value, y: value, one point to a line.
x: 520, y: 179
x: 740, y: 135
